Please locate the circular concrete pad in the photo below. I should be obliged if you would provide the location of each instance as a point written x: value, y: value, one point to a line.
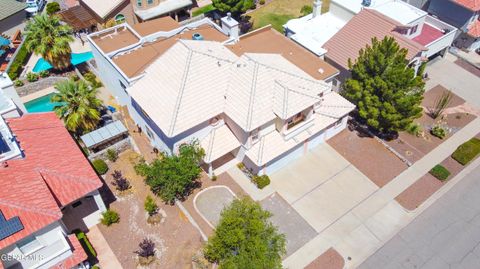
x: 210, y: 202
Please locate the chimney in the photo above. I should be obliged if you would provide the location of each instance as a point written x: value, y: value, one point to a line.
x: 230, y: 26
x: 317, y: 7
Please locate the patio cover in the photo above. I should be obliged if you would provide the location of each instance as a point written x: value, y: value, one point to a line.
x: 104, y: 134
x: 218, y: 142
x: 78, y: 17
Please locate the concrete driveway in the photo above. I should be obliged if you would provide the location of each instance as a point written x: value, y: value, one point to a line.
x: 322, y: 186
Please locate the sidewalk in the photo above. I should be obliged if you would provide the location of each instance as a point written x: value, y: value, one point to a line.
x: 106, y: 257
x: 369, y: 225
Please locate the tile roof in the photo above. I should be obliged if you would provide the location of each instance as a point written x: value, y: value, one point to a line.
x: 103, y: 8
x: 10, y: 7
x: 219, y: 141
x: 206, y: 77
x: 53, y: 173
x: 474, y: 29
x: 428, y: 35
x: 359, y: 31
x: 470, y: 4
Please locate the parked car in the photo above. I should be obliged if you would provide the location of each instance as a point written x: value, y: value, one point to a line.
x: 34, y: 6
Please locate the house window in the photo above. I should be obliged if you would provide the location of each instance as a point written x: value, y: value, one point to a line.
x: 403, y: 31
x: 149, y: 2
x: 120, y: 18
x: 149, y: 132
x: 139, y: 3
x: 29, y: 246
x: 338, y: 123
x: 255, y: 135
x: 413, y: 29
x: 295, y: 120
x: 145, y: 114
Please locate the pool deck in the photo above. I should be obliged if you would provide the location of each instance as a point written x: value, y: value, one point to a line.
x: 38, y: 94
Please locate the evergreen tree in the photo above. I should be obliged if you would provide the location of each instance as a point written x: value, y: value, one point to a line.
x: 234, y: 6
x: 245, y: 238
x: 384, y: 88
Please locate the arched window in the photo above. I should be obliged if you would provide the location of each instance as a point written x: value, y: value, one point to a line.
x: 120, y: 18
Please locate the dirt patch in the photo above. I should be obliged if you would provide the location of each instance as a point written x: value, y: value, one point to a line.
x: 368, y: 155
x: 330, y: 259
x: 426, y: 186
x: 412, y: 147
x: 175, y: 238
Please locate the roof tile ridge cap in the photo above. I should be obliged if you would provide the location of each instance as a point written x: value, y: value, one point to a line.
x: 210, y: 143
x: 182, y: 90
x: 44, y: 171
x: 43, y: 211
x: 251, y: 100
x: 285, y: 97
x: 281, y: 70
x: 288, y: 88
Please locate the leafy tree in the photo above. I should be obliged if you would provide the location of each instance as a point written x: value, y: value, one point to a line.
x: 78, y: 105
x: 384, y: 88
x: 306, y: 9
x: 245, y: 238
x: 50, y: 38
x: 52, y: 7
x: 234, y: 6
x: 173, y: 176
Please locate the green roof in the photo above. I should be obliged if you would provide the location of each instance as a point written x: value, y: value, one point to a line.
x: 10, y: 7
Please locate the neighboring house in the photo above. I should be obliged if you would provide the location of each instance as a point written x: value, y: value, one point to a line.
x: 258, y: 98
x: 104, y: 10
x: 314, y: 31
x: 12, y: 14
x: 150, y: 9
x: 463, y: 14
x: 48, y: 190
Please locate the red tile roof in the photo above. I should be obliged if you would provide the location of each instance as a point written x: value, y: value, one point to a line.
x: 470, y: 4
x: 77, y: 257
x: 474, y: 29
x: 52, y: 174
x: 428, y: 35
x: 359, y: 31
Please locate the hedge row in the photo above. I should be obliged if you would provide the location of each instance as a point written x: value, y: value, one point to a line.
x: 19, y: 62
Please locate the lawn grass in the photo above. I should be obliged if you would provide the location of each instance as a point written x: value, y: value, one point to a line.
x: 467, y: 151
x: 277, y: 13
x: 203, y: 10
x: 440, y: 172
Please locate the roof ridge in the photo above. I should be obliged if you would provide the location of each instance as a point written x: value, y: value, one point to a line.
x: 286, y: 85
x: 207, y: 54
x: 44, y: 171
x: 43, y: 211
x: 182, y: 90
x: 210, y: 143
x: 252, y: 94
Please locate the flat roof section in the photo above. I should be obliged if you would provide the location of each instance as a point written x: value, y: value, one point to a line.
x: 154, y: 26
x: 115, y: 39
x: 136, y: 61
x: 267, y: 40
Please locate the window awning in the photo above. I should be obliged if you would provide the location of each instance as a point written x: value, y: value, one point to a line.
x: 104, y: 134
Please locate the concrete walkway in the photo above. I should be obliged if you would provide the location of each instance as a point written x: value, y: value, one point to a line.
x: 366, y: 227
x: 106, y: 257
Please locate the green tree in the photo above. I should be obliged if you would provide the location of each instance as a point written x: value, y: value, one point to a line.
x: 234, y: 6
x: 52, y: 7
x: 78, y: 105
x: 245, y: 238
x: 173, y: 176
x: 384, y: 88
x: 50, y: 38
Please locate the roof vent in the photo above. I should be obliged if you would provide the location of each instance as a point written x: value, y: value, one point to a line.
x: 320, y: 70
x: 366, y: 3
x: 197, y: 36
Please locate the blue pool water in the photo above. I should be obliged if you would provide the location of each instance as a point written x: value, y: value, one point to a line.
x: 41, y: 104
x: 77, y: 58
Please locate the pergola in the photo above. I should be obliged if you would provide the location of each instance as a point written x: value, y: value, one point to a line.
x: 78, y: 17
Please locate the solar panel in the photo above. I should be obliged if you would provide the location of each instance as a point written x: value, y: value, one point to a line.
x: 9, y: 227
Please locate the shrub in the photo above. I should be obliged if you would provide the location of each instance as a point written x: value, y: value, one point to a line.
x: 240, y: 166
x: 306, y: 9
x: 150, y: 205
x: 18, y: 83
x: 100, y: 166
x: 261, y: 2
x: 441, y: 103
x: 146, y: 252
x: 110, y: 217
x: 44, y: 73
x: 90, y: 77
x: 439, y: 131
x: 32, y: 77
x: 75, y: 77
x: 120, y: 182
x: 440, y: 172
x: 19, y: 61
x: 52, y: 7
x: 467, y: 151
x: 214, y: 178
x: 261, y: 181
x: 414, y: 129
x: 112, y: 155
x: 87, y: 246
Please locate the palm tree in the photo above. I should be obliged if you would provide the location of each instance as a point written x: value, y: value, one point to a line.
x: 47, y: 36
x: 78, y: 105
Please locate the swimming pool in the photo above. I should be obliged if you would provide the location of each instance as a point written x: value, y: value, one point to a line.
x: 76, y: 58
x: 41, y: 104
